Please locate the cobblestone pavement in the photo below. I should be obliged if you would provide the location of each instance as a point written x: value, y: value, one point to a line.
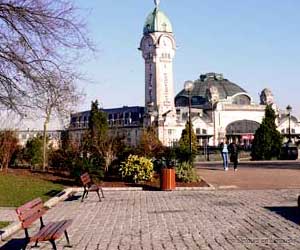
x: 8, y: 214
x: 222, y: 219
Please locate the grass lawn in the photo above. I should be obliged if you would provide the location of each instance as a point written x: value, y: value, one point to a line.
x: 3, y: 224
x: 15, y: 190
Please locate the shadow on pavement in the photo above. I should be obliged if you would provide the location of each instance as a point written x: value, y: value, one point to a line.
x: 289, y: 213
x: 215, y: 169
x: 15, y: 244
x: 73, y: 198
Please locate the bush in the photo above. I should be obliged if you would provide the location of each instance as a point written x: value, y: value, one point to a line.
x: 92, y: 165
x: 166, y: 160
x: 76, y: 163
x: 136, y: 169
x: 267, y: 141
x: 186, y: 173
x: 33, y: 152
x: 183, y: 154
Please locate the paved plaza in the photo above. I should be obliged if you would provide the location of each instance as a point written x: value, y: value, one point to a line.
x: 252, y: 175
x: 221, y: 219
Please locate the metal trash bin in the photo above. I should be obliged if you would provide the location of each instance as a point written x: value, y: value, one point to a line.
x: 289, y: 152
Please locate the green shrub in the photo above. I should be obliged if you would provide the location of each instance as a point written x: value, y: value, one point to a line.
x: 267, y: 141
x: 33, y: 151
x: 136, y: 169
x: 183, y: 154
x: 76, y: 163
x: 186, y: 173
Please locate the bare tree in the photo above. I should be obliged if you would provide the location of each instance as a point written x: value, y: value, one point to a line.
x: 108, y: 148
x: 58, y: 100
x: 37, y: 38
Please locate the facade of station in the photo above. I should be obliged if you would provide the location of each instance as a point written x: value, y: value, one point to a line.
x: 220, y: 109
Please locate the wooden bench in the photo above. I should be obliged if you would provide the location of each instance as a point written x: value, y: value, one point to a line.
x: 34, y: 210
x: 89, y: 186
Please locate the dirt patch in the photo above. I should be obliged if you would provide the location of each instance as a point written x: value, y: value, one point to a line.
x: 112, y: 181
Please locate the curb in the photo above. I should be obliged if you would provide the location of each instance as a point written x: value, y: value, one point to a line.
x: 224, y: 187
x: 59, y: 197
x: 80, y: 189
x: 10, y: 229
x: 194, y: 188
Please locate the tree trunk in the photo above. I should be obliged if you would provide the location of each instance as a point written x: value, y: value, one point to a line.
x: 45, y: 145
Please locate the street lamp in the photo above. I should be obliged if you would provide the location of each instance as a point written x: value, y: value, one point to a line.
x: 188, y: 87
x: 289, y: 110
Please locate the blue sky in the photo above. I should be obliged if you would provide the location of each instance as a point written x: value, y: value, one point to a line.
x: 254, y: 43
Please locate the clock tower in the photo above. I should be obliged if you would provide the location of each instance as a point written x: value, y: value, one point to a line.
x: 158, y: 50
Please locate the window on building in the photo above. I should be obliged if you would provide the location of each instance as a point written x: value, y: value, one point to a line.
x: 184, y: 116
x: 204, y: 131
x: 241, y: 100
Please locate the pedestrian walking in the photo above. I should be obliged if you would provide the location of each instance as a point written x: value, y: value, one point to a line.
x: 224, y: 153
x: 234, y: 154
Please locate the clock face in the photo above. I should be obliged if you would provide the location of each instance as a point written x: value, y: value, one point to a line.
x: 166, y: 42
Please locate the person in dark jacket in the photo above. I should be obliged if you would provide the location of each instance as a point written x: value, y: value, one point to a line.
x: 234, y: 154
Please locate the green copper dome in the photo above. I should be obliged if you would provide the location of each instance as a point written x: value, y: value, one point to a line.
x: 157, y: 21
x: 225, y: 89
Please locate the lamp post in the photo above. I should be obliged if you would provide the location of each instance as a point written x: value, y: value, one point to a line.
x: 188, y: 87
x: 289, y: 110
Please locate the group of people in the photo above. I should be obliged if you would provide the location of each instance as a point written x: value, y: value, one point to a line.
x: 229, y: 152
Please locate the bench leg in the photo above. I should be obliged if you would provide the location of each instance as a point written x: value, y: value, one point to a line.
x: 102, y: 192
x: 36, y: 244
x: 53, y: 244
x: 98, y: 195
x: 26, y: 234
x: 84, y: 192
x: 68, y: 240
x: 42, y: 223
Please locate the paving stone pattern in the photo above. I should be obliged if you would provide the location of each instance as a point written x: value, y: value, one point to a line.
x: 223, y: 219
x: 8, y: 214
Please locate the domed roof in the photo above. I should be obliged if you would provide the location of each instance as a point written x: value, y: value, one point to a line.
x: 157, y: 21
x: 225, y: 88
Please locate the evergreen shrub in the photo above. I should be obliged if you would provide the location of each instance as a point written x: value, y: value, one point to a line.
x: 186, y: 173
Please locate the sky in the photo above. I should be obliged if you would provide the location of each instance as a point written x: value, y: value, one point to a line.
x: 254, y: 43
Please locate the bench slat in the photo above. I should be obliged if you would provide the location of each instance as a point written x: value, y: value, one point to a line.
x: 85, y: 178
x: 30, y: 212
x: 26, y: 223
x: 51, y: 231
x: 61, y: 230
x: 29, y: 205
x: 42, y: 233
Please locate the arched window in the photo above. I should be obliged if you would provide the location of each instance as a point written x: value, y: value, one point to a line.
x: 242, y: 127
x: 241, y: 100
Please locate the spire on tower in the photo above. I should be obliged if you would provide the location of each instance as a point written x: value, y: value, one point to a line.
x: 156, y: 2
